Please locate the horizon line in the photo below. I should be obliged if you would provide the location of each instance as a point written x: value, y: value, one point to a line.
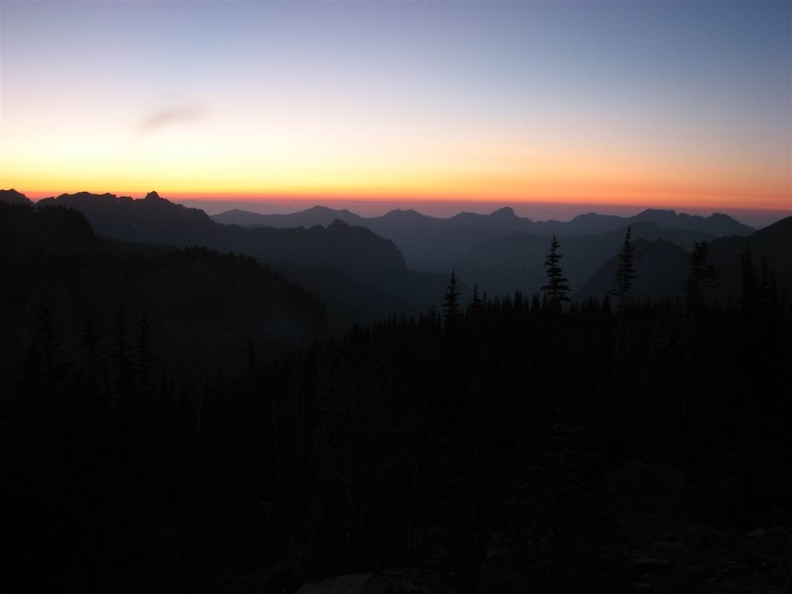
x: 369, y: 206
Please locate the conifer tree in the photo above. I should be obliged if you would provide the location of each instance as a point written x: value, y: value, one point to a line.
x: 556, y: 288
x: 475, y: 309
x: 625, y: 273
x: 702, y: 277
x: 451, y: 302
x: 476, y: 302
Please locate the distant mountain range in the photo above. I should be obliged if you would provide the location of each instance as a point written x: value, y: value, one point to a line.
x: 366, y: 267
x: 502, y: 252
x: 437, y: 245
x: 352, y: 250
x: 359, y: 275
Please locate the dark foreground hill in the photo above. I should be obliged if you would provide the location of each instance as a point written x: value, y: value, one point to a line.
x: 156, y: 220
x: 13, y: 197
x: 770, y: 251
x: 662, y: 268
x: 200, y: 310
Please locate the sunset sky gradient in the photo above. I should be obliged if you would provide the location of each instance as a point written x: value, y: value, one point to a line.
x: 683, y: 105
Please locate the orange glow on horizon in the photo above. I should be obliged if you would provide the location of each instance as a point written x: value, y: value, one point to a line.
x: 565, y: 179
x: 679, y: 200
x: 533, y: 107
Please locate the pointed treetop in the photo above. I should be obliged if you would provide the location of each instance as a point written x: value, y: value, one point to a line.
x: 625, y: 272
x: 451, y: 300
x: 556, y: 288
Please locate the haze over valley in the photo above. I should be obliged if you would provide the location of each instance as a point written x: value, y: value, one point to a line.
x: 365, y: 268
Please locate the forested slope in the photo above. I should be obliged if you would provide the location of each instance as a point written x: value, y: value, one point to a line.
x: 474, y: 444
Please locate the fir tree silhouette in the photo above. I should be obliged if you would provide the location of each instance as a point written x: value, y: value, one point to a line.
x: 702, y: 278
x: 451, y: 303
x: 625, y: 273
x: 556, y: 288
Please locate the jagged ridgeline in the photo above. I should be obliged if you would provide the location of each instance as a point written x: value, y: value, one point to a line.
x: 502, y: 252
x: 359, y: 275
x: 464, y: 240
x: 363, y: 268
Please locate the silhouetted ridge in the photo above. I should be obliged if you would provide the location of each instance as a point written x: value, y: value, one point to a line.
x: 661, y: 269
x: 715, y: 225
x: 770, y: 248
x: 159, y: 221
x: 316, y: 215
x: 321, y: 215
x: 148, y: 220
x: 237, y: 216
x: 324, y: 210
x: 411, y: 215
x: 595, y: 223
x: 13, y: 197
x: 500, y: 252
x: 363, y: 275
x: 505, y: 213
x: 436, y: 244
x: 28, y: 233
x: 657, y: 215
x: 201, y: 305
x: 779, y: 232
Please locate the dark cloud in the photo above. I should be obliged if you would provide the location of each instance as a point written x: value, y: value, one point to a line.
x: 167, y: 117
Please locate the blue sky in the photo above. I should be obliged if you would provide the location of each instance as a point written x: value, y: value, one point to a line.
x: 637, y: 103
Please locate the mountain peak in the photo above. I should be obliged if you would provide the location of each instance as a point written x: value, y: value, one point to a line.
x: 153, y: 196
x: 399, y: 213
x: 660, y: 215
x: 339, y: 224
x: 507, y: 212
x: 319, y: 208
x: 717, y: 224
x: 326, y: 210
x: 13, y: 197
x: 657, y: 212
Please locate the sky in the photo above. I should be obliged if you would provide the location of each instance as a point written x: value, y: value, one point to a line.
x: 597, y: 104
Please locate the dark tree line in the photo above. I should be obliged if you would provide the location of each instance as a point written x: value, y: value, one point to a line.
x: 416, y: 442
